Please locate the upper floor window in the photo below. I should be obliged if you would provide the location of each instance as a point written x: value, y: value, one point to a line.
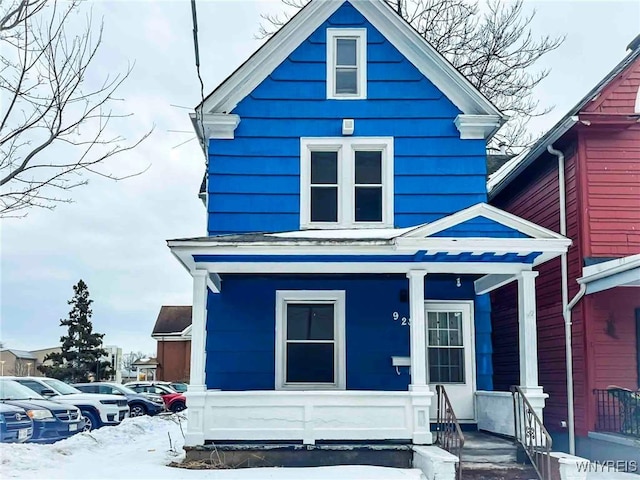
x: 346, y: 182
x: 347, y: 63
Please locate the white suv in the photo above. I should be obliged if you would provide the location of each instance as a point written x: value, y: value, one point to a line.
x: 98, y: 410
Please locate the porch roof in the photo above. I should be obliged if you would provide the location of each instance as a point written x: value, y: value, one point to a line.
x: 432, y: 247
x: 621, y: 272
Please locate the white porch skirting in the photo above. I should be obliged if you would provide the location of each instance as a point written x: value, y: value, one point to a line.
x: 495, y: 412
x: 306, y: 416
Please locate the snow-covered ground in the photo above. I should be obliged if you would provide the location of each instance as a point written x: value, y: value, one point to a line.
x: 141, y: 448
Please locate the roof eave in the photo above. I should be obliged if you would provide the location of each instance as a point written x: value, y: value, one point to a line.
x: 504, y: 178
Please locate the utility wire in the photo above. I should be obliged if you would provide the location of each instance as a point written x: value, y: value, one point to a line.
x: 199, y: 112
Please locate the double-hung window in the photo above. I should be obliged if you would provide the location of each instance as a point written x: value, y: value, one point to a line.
x: 346, y: 182
x: 347, y: 63
x: 310, y: 339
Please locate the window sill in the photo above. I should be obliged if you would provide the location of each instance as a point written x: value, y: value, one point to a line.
x: 309, y: 386
x: 333, y: 226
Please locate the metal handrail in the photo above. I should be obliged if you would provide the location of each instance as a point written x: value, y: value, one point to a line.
x: 531, y: 434
x: 448, y: 432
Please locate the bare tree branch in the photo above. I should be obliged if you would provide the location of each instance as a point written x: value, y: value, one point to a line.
x: 491, y: 44
x: 54, y: 127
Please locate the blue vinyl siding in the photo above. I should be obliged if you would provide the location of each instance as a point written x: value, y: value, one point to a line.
x: 253, y: 179
x: 241, y: 328
x: 480, y: 227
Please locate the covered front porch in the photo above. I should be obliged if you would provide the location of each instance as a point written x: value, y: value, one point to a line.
x: 316, y: 336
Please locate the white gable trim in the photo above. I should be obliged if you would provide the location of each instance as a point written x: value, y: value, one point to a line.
x: 489, y: 212
x: 410, y: 44
x: 260, y: 65
x: 431, y: 64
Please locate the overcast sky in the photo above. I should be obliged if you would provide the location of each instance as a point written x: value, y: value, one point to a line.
x: 113, y: 236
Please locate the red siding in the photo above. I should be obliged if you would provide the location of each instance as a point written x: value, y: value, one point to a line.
x: 612, y: 340
x: 174, y: 360
x: 612, y: 170
x: 536, y: 199
x: 620, y: 95
x: 611, y: 160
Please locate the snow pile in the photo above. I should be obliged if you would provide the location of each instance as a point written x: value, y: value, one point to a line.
x: 141, y: 448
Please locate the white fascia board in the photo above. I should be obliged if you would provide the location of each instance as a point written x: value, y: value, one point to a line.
x: 462, y: 268
x: 171, y: 337
x: 477, y: 127
x: 425, y: 58
x: 490, y: 212
x: 621, y: 271
x: 259, y: 66
x: 627, y: 278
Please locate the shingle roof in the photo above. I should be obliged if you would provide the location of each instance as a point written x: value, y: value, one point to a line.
x: 172, y: 319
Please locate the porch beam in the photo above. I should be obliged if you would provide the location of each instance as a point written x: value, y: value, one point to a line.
x: 214, y: 282
x: 491, y: 282
x: 527, y: 333
x: 471, y: 268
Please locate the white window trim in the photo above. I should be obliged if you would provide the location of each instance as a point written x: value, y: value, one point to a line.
x: 468, y: 308
x: 346, y: 180
x: 284, y: 297
x: 361, y: 35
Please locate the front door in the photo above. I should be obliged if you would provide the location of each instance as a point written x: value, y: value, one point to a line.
x: 450, y: 355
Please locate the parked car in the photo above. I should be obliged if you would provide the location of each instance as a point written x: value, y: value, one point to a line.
x: 173, y: 400
x: 97, y: 410
x: 139, y: 403
x: 52, y: 421
x: 179, y: 387
x: 15, y: 424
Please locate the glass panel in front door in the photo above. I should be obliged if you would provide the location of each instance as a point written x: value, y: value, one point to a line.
x: 445, y: 347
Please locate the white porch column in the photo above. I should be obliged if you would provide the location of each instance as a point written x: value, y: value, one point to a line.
x: 196, y: 393
x: 420, y: 392
x: 528, y: 340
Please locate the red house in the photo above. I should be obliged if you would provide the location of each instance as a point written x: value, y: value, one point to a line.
x: 172, y: 331
x: 583, y: 178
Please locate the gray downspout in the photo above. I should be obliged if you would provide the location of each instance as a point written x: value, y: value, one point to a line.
x: 566, y: 307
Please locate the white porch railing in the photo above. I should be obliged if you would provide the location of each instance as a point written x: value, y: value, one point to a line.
x: 304, y: 416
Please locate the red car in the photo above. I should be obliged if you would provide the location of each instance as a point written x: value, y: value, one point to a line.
x: 173, y: 401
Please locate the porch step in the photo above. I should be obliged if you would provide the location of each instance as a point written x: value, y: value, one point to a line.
x: 487, y: 457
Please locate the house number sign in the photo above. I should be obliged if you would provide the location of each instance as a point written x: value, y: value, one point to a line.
x: 404, y: 321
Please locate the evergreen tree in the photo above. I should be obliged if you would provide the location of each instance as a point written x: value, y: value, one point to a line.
x: 82, y: 352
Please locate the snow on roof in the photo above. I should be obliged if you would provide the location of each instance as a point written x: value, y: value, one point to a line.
x: 20, y: 353
x: 355, y: 233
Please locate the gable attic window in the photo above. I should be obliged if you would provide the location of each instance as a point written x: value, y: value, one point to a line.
x: 346, y: 182
x: 347, y: 63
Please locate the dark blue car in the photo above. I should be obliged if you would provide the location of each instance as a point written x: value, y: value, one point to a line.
x: 15, y: 424
x: 52, y: 421
x: 139, y: 403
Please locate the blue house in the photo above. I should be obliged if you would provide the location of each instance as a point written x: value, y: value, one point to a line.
x: 350, y: 249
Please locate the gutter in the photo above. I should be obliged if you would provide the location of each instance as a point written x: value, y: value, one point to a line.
x: 566, y: 305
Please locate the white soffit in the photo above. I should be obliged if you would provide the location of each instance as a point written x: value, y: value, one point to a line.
x: 410, y: 44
